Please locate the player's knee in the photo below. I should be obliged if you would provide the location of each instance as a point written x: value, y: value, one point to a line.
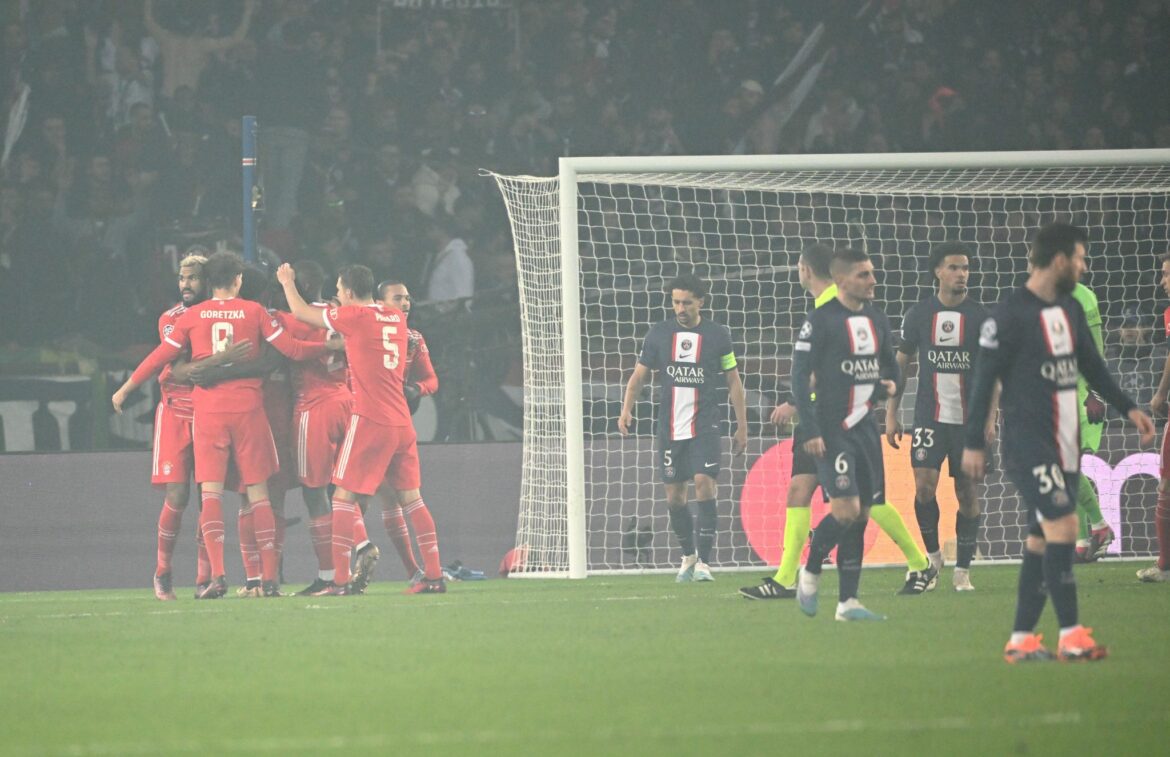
x: 178, y: 495
x: 406, y: 496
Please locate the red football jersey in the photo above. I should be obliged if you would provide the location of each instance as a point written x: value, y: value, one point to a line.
x: 212, y: 327
x: 375, y: 347
x: 175, y: 394
x: 321, y: 378
x: 1166, y: 321
x: 418, y: 364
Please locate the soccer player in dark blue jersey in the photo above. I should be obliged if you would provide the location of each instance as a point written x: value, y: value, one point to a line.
x: 1036, y: 343
x: 693, y: 357
x: 847, y: 346
x: 943, y: 330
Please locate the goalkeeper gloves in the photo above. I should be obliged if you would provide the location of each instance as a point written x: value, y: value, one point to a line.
x: 1094, y: 408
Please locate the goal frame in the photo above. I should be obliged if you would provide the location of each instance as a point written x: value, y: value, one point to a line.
x: 574, y: 169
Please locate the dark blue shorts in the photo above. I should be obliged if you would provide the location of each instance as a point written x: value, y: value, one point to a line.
x: 934, y: 442
x: 679, y: 460
x: 1048, y: 492
x: 853, y: 465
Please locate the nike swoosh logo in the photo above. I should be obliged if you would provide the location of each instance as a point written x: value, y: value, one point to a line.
x: 709, y: 465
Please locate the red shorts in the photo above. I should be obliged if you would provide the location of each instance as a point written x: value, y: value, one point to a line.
x: 241, y: 436
x: 1165, y: 462
x: 172, y: 459
x: 373, y: 453
x: 321, y: 430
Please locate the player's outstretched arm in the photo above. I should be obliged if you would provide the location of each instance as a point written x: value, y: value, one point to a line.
x: 1143, y: 424
x: 190, y: 372
x: 634, y: 386
x: 263, y: 364
x: 739, y: 404
x: 164, y: 353
x: 302, y: 310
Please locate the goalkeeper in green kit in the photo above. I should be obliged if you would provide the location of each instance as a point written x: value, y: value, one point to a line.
x: 1095, y: 534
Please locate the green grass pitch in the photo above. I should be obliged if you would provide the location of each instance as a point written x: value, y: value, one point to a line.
x: 634, y: 665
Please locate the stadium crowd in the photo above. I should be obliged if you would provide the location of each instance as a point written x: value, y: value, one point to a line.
x: 124, y: 118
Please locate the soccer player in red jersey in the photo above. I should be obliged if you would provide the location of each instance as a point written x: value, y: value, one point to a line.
x: 171, y: 456
x: 229, y: 421
x: 421, y: 381
x: 324, y: 404
x: 1160, y: 572
x: 380, y: 442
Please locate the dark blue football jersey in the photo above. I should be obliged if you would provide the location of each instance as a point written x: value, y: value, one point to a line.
x: 946, y: 340
x: 690, y: 363
x: 1037, y: 349
x: 848, y: 352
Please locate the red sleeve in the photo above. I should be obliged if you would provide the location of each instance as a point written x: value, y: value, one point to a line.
x: 163, y: 322
x: 422, y: 372
x: 1166, y: 321
x: 164, y: 354
x: 342, y: 318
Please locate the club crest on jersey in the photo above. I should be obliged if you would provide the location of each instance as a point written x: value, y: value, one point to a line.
x: 167, y: 468
x: 920, y: 454
x: 685, y: 345
x: 842, y: 482
x: 1056, y: 331
x: 170, y: 327
x: 862, y: 333
x: 948, y: 326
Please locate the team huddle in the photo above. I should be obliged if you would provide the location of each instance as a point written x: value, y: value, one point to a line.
x: 1036, y: 355
x: 255, y: 398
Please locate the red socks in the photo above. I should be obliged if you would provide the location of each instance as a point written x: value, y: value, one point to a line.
x: 1162, y: 524
x: 211, y: 523
x: 395, y: 524
x: 321, y: 534
x: 169, y: 521
x: 343, y: 520
x: 249, y: 552
x: 360, y: 536
x: 428, y: 542
x: 202, y: 564
x: 265, y: 524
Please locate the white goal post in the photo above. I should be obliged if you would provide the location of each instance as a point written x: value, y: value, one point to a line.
x: 595, y: 245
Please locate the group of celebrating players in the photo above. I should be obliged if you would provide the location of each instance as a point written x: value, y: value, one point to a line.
x: 248, y: 391
x: 1036, y: 354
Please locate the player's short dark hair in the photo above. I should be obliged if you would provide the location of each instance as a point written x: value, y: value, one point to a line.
x: 381, y: 291
x: 254, y: 285
x: 357, y: 278
x: 818, y: 257
x: 310, y: 279
x: 1055, y: 239
x: 940, y: 252
x: 846, y: 257
x: 222, y: 269
x: 690, y: 283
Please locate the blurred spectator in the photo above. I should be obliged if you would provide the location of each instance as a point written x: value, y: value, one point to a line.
x: 450, y: 273
x: 187, y: 48
x: 290, y: 108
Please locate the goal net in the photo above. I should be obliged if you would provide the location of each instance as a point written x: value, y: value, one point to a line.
x: 596, y: 245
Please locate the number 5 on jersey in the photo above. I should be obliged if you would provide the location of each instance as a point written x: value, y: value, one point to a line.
x: 389, y: 360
